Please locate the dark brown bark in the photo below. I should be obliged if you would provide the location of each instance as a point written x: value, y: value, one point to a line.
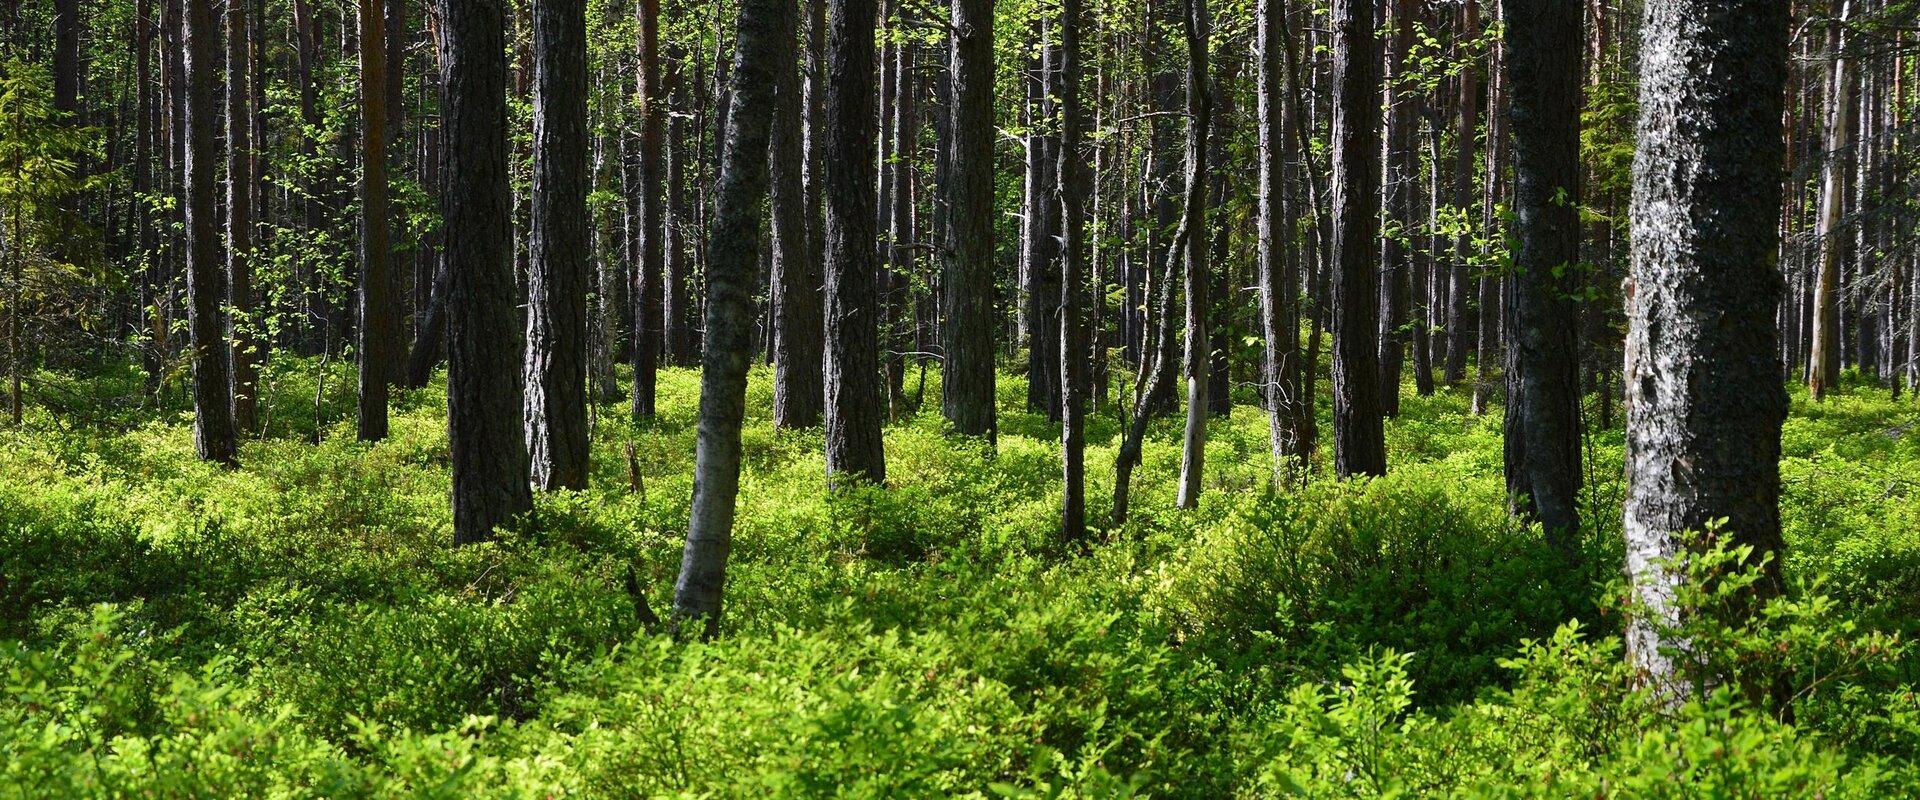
x: 1705, y: 394
x: 556, y: 362
x: 798, y: 393
x: 967, y: 331
x: 650, y: 275
x: 240, y: 190
x: 1359, y: 435
x: 1072, y: 187
x: 854, y: 406
x: 379, y: 317
x: 484, y: 349
x: 1542, y: 425
x: 213, y: 435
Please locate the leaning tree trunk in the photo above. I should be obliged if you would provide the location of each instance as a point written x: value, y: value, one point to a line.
x: 854, y: 405
x: 206, y: 267
x: 1193, y: 450
x: 733, y: 263
x: 1359, y: 435
x: 484, y: 350
x: 967, y: 340
x: 1543, y: 419
x: 1705, y: 394
x: 379, y: 319
x: 556, y: 363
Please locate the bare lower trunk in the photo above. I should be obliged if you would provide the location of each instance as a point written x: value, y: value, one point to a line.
x: 732, y: 281
x: 1705, y: 399
x: 484, y: 349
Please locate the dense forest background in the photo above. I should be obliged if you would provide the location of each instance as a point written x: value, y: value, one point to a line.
x: 884, y: 398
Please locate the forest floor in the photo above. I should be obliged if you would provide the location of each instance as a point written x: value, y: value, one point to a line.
x: 302, y: 627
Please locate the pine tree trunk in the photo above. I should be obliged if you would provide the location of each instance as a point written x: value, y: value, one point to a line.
x: 379, y: 324
x: 1705, y: 395
x: 796, y: 290
x: 967, y: 335
x: 206, y: 266
x: 556, y: 363
x: 1072, y: 187
x: 1543, y: 413
x: 240, y: 189
x: 1359, y: 435
x: 484, y: 349
x: 854, y: 406
x: 650, y: 275
x: 1401, y: 170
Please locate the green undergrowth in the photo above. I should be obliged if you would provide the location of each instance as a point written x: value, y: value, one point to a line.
x: 300, y: 627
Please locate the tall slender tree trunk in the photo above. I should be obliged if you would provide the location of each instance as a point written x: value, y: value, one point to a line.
x: 967, y: 379
x: 1543, y: 411
x: 765, y: 28
x: 1460, y: 327
x: 796, y: 290
x: 485, y: 353
x: 1073, y: 184
x: 1402, y: 168
x: 1193, y: 451
x: 240, y: 190
x: 1824, y: 372
x: 379, y: 320
x: 1279, y: 281
x: 854, y: 406
x: 556, y: 363
x: 1705, y: 394
x: 1359, y: 435
x: 650, y: 275
x: 206, y: 266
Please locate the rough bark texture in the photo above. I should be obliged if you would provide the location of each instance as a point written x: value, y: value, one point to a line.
x: 967, y: 340
x: 649, y: 273
x: 1073, y: 187
x: 854, y: 404
x: 1543, y: 74
x: 1359, y: 434
x: 1193, y: 450
x: 379, y: 319
x: 1705, y: 394
x: 1459, y: 275
x: 556, y: 366
x: 1402, y: 166
x: 796, y: 290
x: 733, y: 264
x: 206, y: 266
x: 1040, y: 249
x: 1279, y: 282
x: 240, y: 189
x: 484, y: 350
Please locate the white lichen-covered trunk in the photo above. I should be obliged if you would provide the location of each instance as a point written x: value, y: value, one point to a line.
x: 1705, y: 390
